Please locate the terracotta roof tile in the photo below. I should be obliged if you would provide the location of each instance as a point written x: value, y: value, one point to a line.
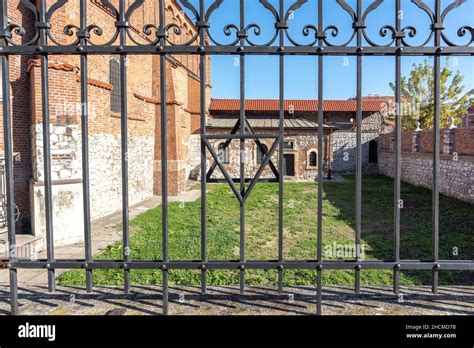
x: 368, y: 105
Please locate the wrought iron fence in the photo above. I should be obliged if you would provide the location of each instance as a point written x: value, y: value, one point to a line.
x: 3, y: 195
x: 44, y: 44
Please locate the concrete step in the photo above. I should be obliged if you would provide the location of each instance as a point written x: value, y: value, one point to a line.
x: 370, y: 168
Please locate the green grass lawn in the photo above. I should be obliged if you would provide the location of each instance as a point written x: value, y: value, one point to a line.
x: 300, y: 231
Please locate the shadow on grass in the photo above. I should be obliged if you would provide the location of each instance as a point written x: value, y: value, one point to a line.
x: 456, y: 224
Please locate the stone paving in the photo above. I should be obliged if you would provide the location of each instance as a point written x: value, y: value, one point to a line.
x: 105, y: 231
x: 146, y: 300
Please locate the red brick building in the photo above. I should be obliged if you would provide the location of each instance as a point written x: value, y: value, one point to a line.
x: 144, y: 116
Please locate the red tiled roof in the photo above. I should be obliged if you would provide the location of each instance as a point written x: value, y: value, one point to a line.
x: 368, y: 105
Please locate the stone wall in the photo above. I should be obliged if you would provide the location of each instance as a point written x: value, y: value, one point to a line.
x: 456, y: 168
x: 344, y: 143
x: 105, y: 178
x: 456, y: 177
x: 106, y: 172
x: 194, y: 165
x: 66, y: 159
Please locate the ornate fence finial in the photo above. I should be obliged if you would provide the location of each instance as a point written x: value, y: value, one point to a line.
x: 452, y: 126
x: 418, y: 129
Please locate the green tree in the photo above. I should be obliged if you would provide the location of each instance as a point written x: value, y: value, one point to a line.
x: 418, y: 96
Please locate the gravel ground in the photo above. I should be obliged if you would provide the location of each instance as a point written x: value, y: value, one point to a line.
x: 146, y: 300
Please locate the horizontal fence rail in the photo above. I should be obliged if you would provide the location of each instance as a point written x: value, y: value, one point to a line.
x: 195, y: 264
x: 156, y: 39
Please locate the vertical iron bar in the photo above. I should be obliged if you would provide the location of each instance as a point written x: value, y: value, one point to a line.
x: 124, y: 143
x: 203, y: 78
x: 398, y: 154
x: 281, y: 130
x: 436, y: 146
x: 46, y: 147
x: 320, y: 161
x: 359, y: 147
x: 242, y: 147
x: 164, y: 161
x: 8, y: 145
x: 85, y: 149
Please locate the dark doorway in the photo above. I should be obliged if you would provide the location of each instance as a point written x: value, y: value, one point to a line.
x: 289, y: 164
x: 373, y: 155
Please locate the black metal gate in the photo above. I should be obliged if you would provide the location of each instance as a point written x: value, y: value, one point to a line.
x: 44, y: 44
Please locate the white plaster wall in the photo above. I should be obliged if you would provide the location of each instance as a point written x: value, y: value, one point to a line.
x: 68, y: 224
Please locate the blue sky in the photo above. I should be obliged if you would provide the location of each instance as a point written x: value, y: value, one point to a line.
x: 262, y: 75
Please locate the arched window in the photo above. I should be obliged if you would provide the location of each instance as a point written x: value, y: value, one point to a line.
x: 223, y: 152
x: 312, y: 159
x: 114, y: 79
x: 261, y: 154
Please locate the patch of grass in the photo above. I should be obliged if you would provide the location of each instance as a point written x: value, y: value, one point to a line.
x: 300, y: 234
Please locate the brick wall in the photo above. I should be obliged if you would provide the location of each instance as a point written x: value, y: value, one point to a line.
x: 407, y: 138
x: 426, y: 141
x: 384, y: 141
x: 21, y: 117
x: 464, y: 141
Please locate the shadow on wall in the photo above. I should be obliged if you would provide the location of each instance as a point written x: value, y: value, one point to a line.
x: 344, y: 157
